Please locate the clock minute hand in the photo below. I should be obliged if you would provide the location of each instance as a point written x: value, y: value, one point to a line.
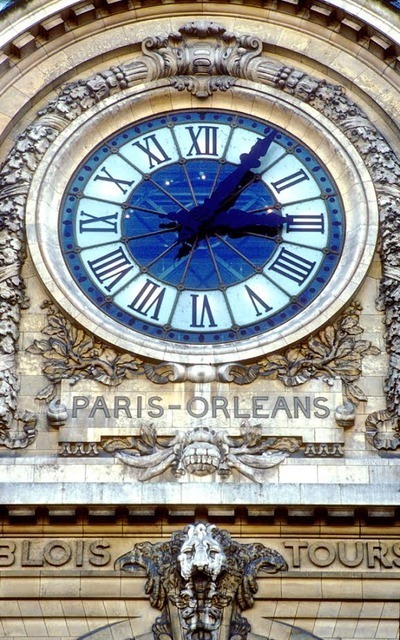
x: 231, y: 187
x: 226, y: 192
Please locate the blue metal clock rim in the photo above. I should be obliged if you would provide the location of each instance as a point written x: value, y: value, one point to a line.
x: 75, y: 266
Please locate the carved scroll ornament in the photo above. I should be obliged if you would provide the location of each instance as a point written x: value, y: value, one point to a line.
x: 177, y: 57
x: 201, y: 575
x: 202, y: 451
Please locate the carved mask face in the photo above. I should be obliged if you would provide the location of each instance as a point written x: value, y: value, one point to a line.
x: 201, y: 552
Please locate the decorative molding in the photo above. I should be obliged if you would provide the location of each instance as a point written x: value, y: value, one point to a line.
x: 323, y: 450
x: 334, y: 352
x: 356, y: 515
x: 50, y: 26
x: 17, y: 428
x: 77, y: 97
x: 215, y: 65
x: 70, y: 353
x: 22, y: 434
x: 233, y: 372
x: 202, y: 451
x: 78, y: 449
x: 202, y: 577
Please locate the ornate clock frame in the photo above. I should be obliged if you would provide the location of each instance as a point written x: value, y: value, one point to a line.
x: 51, y: 180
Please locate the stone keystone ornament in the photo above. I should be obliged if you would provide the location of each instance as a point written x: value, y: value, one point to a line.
x: 201, y: 580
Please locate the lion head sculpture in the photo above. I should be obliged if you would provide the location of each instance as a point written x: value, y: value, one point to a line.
x: 200, y: 572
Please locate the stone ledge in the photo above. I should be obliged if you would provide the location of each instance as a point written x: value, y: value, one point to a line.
x: 198, y: 493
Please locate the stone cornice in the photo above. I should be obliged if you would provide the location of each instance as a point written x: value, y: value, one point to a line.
x: 104, y: 500
x: 26, y: 29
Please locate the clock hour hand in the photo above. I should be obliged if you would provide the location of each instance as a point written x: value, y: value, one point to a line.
x: 236, y: 219
x: 190, y: 223
x: 234, y: 222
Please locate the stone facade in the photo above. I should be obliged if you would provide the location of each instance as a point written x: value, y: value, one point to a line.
x: 265, y: 480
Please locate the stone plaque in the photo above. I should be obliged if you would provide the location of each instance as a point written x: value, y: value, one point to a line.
x: 95, y: 412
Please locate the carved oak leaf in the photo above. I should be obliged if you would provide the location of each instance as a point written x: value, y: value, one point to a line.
x: 356, y: 392
x: 328, y: 337
x: 317, y: 346
x: 38, y: 347
x: 118, y: 444
x: 293, y: 372
x: 251, y: 434
x: 334, y: 352
x: 70, y: 353
x: 148, y: 434
x: 350, y: 328
x: 273, y: 366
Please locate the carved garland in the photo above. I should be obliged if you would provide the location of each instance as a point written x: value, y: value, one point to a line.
x: 71, y: 354
x: 228, y: 57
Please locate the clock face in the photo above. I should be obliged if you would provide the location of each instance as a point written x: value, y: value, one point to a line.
x: 202, y: 228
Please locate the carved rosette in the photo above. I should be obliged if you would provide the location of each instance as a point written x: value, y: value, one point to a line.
x: 198, y: 578
x: 179, y: 57
x: 383, y: 430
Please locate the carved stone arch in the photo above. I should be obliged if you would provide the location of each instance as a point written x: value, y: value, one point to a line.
x: 224, y: 59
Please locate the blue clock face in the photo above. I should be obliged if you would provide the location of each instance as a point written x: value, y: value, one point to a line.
x: 201, y: 227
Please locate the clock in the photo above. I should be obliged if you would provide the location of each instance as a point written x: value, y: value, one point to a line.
x: 201, y: 227
x: 201, y: 235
